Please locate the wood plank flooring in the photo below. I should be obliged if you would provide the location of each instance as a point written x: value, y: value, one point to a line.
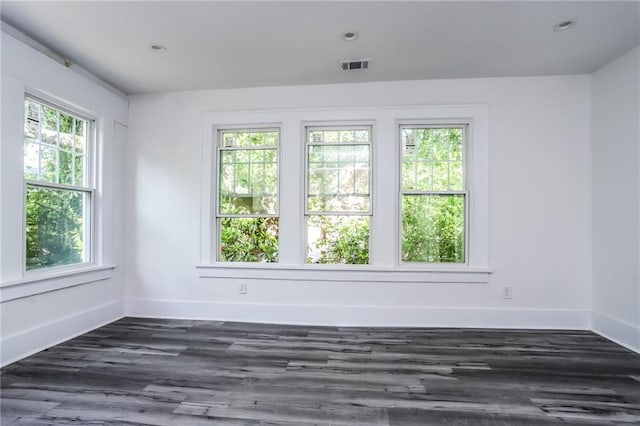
x: 176, y: 372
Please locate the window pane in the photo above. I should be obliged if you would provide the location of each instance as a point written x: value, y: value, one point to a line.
x: 245, y: 139
x: 432, y: 159
x: 66, y: 168
x: 248, y: 182
x: 80, y: 165
x: 48, y: 164
x: 55, y: 227
x: 346, y: 135
x: 338, y: 204
x: 249, y: 239
x: 433, y: 228
x: 338, y: 178
x: 338, y: 239
x: 49, y: 121
x: 31, y: 119
x: 62, y: 137
x: 31, y: 160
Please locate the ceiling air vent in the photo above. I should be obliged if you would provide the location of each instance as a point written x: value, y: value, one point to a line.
x: 355, y: 65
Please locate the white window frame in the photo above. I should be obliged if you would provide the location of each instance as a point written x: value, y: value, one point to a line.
x: 434, y: 124
x: 217, y: 216
x: 308, y: 127
x: 88, y: 188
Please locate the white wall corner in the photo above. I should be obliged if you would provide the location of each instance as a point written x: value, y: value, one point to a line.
x: 616, y: 330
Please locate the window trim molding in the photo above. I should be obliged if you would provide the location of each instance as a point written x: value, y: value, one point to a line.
x: 341, y: 273
x: 384, y: 253
x: 44, y: 281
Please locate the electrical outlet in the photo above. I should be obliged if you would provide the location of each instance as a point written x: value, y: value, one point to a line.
x: 242, y: 289
x: 507, y: 293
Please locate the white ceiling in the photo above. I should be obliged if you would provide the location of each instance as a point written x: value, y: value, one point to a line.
x: 265, y: 43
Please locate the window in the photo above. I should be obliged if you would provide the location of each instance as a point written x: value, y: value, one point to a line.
x: 338, y: 194
x: 426, y: 179
x: 433, y: 194
x: 247, y: 208
x: 58, y: 186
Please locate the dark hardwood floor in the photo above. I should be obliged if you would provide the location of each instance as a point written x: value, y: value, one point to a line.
x: 174, y: 372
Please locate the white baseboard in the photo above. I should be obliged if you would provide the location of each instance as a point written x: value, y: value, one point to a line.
x: 621, y: 332
x: 31, y: 341
x: 371, y: 316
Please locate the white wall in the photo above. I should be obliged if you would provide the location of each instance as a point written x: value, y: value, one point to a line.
x: 38, y: 311
x: 540, y: 203
x: 616, y: 199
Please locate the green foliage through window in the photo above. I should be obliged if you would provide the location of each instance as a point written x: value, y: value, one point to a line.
x: 338, y: 239
x: 338, y: 194
x: 248, y: 195
x: 433, y: 228
x: 433, y: 199
x: 55, y: 227
x: 251, y: 239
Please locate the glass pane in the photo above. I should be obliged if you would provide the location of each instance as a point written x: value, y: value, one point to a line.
x: 66, y: 124
x: 248, y: 182
x: 31, y: 160
x: 456, y: 176
x: 440, y: 175
x: 433, y: 228
x: 31, y: 119
x: 247, y: 204
x: 66, y: 167
x: 80, y: 145
x: 432, y: 159
x: 316, y: 136
x: 249, y: 239
x: 338, y: 204
x: 347, y: 136
x: 79, y: 171
x: 61, y: 135
x: 48, y: 164
x: 240, y: 139
x: 338, y: 239
x: 338, y: 179
x: 50, y: 121
x: 331, y: 136
x: 455, y: 143
x: 424, y: 175
x: 440, y: 143
x: 81, y: 127
x: 362, y: 136
x: 55, y: 227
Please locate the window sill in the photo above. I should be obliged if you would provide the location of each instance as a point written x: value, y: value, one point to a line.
x: 46, y: 281
x: 345, y: 273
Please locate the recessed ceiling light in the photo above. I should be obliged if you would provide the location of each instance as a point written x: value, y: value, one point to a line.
x: 156, y: 47
x: 350, y: 35
x: 564, y: 25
